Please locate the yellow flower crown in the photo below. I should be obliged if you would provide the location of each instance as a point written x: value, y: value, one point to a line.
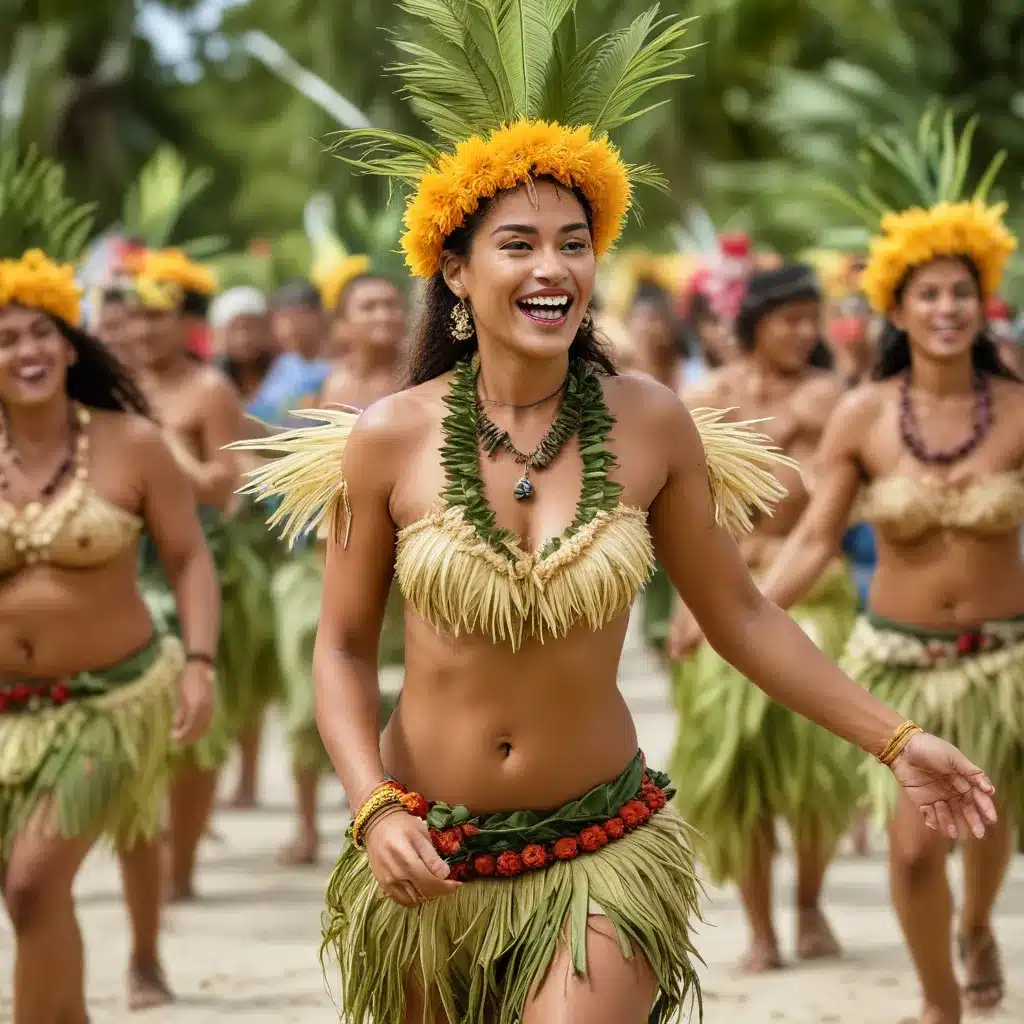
x: 913, y: 237
x: 334, y: 278
x: 163, y: 276
x: 37, y: 282
x: 479, y: 168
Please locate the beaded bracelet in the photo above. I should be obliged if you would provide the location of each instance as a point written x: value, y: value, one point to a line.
x: 386, y: 794
x: 901, y: 736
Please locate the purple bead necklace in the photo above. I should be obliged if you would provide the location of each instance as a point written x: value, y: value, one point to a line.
x: 910, y: 431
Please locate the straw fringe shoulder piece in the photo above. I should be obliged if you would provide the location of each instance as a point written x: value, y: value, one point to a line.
x: 458, y: 580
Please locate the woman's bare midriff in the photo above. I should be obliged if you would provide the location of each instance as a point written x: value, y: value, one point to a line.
x: 493, y: 730
x: 949, y: 580
x: 56, y: 622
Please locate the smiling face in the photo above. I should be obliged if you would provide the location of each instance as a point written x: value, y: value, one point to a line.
x: 940, y: 310
x: 787, y: 335
x: 159, y: 336
x: 529, y: 273
x: 34, y: 357
x: 373, y: 314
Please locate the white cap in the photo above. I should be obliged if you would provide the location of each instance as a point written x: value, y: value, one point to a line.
x: 241, y: 301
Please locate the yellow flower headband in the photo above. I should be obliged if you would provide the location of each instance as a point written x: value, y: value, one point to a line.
x: 511, y: 94
x: 944, y: 221
x: 36, y: 282
x: 162, y: 277
x: 480, y: 168
x: 912, y: 238
x: 334, y: 278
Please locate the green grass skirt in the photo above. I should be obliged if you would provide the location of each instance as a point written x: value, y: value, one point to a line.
x: 975, y: 701
x: 741, y: 760
x: 248, y: 673
x: 479, y: 952
x: 297, y: 587
x: 656, y: 606
x: 96, y: 765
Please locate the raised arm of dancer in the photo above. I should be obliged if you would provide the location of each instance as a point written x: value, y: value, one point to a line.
x: 215, y: 477
x: 818, y: 536
x: 356, y: 582
x: 170, y: 515
x: 767, y: 646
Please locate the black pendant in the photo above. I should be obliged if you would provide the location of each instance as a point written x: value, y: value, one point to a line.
x: 524, y: 489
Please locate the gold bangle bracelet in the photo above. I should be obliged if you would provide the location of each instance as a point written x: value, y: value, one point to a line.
x: 900, y: 737
x: 380, y: 796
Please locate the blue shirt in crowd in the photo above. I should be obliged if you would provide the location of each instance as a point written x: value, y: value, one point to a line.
x: 291, y: 383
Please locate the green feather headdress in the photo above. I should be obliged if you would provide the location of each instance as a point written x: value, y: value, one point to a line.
x: 919, y: 202
x: 40, y: 229
x: 510, y: 93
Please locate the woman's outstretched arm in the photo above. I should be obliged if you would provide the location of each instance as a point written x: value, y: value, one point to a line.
x: 769, y: 648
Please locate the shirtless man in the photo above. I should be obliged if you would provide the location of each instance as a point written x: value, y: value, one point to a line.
x: 371, y: 319
x: 778, y: 329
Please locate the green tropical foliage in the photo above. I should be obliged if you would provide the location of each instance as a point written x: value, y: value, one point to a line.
x: 780, y: 95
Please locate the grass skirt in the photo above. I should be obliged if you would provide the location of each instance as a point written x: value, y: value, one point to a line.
x: 479, y: 952
x: 741, y: 760
x: 97, y: 763
x: 657, y: 604
x: 967, y: 688
x: 297, y: 587
x: 246, y: 622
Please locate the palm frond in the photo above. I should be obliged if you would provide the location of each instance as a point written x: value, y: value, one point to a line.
x: 609, y: 79
x: 155, y: 202
x: 35, y: 211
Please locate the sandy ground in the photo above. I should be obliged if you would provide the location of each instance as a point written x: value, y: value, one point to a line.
x: 247, y: 952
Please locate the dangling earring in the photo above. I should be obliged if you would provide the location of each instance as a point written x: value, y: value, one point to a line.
x: 587, y: 323
x: 460, y: 322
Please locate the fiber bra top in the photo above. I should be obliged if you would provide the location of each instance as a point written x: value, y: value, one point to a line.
x: 906, y: 508
x: 78, y: 529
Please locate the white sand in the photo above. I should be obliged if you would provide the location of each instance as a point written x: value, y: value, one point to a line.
x: 247, y: 952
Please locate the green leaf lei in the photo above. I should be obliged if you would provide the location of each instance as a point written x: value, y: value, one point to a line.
x: 583, y: 404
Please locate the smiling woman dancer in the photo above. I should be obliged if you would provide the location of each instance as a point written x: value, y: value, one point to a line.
x: 938, y: 440
x: 88, y: 689
x: 541, y: 876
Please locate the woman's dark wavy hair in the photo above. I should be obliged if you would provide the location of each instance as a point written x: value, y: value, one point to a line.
x: 893, y: 356
x: 433, y: 351
x: 98, y: 378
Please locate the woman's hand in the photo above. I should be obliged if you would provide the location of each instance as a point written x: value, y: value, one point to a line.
x: 195, y: 703
x: 954, y: 795
x: 684, y: 634
x: 404, y: 861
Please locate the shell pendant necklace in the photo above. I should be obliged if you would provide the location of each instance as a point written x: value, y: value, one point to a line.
x: 493, y: 439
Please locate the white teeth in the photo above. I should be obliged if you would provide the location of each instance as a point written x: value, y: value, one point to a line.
x: 547, y: 300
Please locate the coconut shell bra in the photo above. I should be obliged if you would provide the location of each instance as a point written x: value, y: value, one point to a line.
x: 906, y: 508
x: 464, y: 573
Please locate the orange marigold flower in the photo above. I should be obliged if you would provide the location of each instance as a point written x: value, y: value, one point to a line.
x: 614, y: 828
x: 484, y: 864
x: 447, y: 841
x: 480, y: 168
x: 415, y: 804
x: 535, y: 856
x: 469, y: 829
x: 36, y: 282
x: 593, y: 838
x: 510, y: 864
x: 655, y: 799
x: 566, y: 849
x: 627, y: 812
x: 460, y: 872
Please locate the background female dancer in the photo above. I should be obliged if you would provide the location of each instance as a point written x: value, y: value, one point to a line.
x: 88, y: 689
x: 939, y: 440
x: 510, y: 705
x: 752, y: 761
x: 244, y: 342
x: 371, y: 312
x: 200, y: 413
